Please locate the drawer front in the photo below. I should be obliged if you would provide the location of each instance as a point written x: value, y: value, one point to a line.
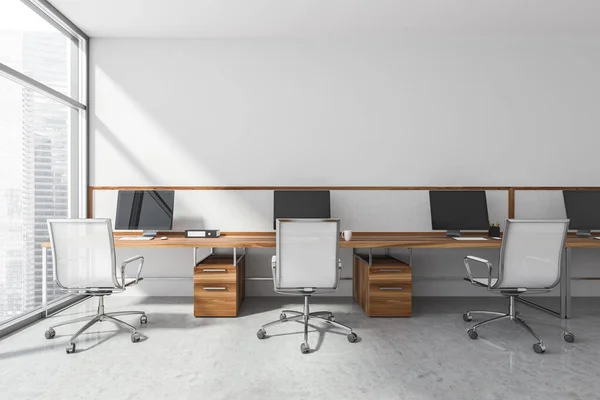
x: 390, y: 300
x: 215, y: 290
x: 390, y: 290
x: 208, y: 274
x: 215, y: 300
x: 389, y: 308
x: 385, y: 274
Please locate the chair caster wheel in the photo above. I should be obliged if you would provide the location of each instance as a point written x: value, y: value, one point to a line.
x: 331, y: 318
x: 472, y: 334
x: 569, y: 337
x: 71, y: 348
x: 539, y: 348
x: 50, y: 333
x: 352, y: 337
x: 282, y: 316
x: 135, y: 337
x: 261, y: 334
x: 304, y: 348
x: 467, y: 317
x: 143, y: 319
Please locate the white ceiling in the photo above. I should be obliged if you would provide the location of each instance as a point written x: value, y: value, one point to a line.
x: 326, y: 18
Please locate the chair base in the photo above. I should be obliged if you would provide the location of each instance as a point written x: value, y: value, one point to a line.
x: 305, y: 316
x: 100, y: 316
x: 517, y: 318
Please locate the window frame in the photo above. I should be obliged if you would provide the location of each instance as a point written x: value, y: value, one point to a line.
x: 77, y: 101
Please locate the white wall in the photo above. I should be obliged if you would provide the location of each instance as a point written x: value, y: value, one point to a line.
x: 415, y: 111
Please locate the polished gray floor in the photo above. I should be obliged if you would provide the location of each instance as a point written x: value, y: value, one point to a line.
x: 428, y: 356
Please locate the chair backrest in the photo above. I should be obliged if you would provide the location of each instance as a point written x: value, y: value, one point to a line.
x: 307, y: 253
x: 83, y: 253
x: 531, y: 254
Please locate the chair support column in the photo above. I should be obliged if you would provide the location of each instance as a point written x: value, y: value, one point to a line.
x: 306, y: 317
x: 100, y: 305
x: 512, y: 311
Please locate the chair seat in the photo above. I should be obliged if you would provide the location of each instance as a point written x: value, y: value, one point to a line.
x: 100, y: 290
x: 484, y: 281
x: 304, y: 291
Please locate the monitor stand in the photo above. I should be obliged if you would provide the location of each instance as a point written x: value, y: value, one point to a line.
x: 585, y: 233
x: 453, y: 233
x: 149, y: 233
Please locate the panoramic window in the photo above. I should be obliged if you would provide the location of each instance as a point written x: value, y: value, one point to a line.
x: 42, y: 123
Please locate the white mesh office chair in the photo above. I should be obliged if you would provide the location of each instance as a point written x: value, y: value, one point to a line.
x: 530, y: 262
x: 307, y: 263
x: 83, y: 255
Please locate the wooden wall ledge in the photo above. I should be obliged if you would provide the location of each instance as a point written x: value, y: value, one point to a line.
x: 510, y: 189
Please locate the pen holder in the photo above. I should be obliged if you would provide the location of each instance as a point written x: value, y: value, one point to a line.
x: 494, y: 231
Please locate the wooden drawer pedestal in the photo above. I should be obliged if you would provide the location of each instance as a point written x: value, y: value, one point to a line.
x: 218, y: 286
x: 385, y: 288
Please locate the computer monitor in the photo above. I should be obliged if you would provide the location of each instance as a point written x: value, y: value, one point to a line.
x: 583, y: 210
x: 147, y: 210
x: 301, y: 204
x: 455, y: 210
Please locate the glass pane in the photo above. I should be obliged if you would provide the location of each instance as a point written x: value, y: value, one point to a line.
x: 30, y: 45
x: 34, y: 132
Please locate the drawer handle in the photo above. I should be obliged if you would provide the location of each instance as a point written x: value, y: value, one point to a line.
x: 214, y: 288
x: 391, y: 270
x: 391, y: 288
x: 214, y: 270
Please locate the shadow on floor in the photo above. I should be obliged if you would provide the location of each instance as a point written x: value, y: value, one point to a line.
x: 57, y: 343
x: 259, y: 305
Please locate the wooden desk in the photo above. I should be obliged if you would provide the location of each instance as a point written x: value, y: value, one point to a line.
x: 267, y: 240
x: 360, y: 240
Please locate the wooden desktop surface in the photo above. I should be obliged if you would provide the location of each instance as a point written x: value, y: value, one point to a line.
x: 360, y: 240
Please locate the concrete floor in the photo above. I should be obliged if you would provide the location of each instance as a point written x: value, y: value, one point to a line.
x: 428, y: 356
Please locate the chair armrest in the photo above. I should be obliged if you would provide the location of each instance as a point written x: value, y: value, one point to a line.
x: 481, y: 261
x: 139, y: 269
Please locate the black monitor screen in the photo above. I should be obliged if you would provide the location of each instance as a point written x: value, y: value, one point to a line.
x: 301, y: 204
x: 458, y: 210
x: 145, y: 209
x: 583, y: 209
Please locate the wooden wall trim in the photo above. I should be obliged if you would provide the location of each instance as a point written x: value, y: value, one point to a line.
x: 556, y: 187
x: 92, y: 189
x: 241, y: 188
x: 511, y: 190
x: 333, y: 187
